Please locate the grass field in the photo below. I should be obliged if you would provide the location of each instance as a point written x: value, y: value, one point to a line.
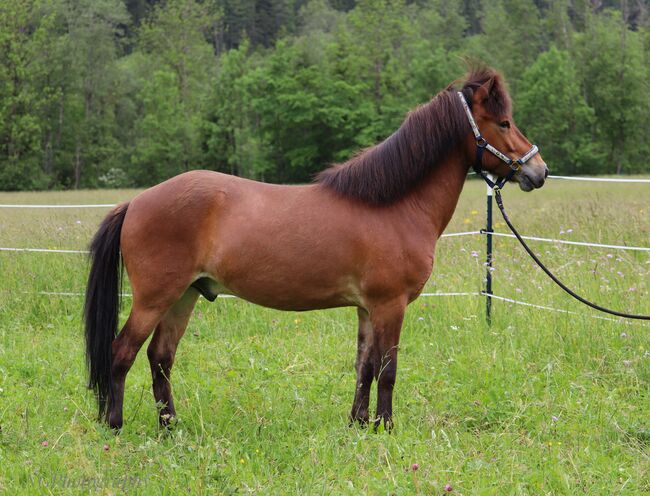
x: 538, y: 403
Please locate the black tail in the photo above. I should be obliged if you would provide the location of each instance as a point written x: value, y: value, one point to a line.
x: 101, y: 310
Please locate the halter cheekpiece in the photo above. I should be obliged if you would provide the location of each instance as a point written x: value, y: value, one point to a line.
x: 482, y: 145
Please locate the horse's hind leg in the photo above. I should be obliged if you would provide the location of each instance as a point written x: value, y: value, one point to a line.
x: 364, y: 368
x: 162, y: 350
x: 135, y: 332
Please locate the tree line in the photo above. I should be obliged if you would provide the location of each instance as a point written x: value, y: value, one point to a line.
x: 110, y: 93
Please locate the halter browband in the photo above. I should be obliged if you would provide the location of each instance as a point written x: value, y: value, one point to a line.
x: 482, y: 145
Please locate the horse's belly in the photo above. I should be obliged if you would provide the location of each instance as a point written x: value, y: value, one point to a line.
x: 285, y: 289
x: 298, y: 304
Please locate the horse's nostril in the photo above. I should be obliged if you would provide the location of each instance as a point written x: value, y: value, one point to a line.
x: 545, y: 172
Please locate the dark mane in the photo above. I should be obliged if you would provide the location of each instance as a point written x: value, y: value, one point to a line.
x: 387, y: 171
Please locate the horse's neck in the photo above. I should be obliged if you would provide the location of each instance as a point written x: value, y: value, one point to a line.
x: 437, y: 197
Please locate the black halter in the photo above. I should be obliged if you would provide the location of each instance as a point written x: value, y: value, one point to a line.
x: 482, y: 145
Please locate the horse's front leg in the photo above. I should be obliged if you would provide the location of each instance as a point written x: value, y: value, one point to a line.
x: 386, y: 321
x: 364, y: 368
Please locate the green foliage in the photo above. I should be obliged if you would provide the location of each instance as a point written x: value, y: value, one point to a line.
x: 173, y: 67
x: 550, y: 107
x: 377, y: 40
x: 93, y: 30
x: 93, y: 92
x: 260, y: 21
x: 161, y: 131
x: 231, y: 138
x: 616, y: 86
x: 19, y: 99
x: 306, y: 118
x: 511, y: 37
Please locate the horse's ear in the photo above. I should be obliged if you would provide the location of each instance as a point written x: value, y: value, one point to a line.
x: 483, y: 92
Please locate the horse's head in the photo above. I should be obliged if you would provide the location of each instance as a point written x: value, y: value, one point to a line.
x: 501, y: 140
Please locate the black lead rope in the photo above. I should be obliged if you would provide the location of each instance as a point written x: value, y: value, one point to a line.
x: 497, y: 195
x: 515, y: 166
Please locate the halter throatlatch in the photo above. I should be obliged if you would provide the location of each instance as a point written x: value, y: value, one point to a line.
x: 482, y: 145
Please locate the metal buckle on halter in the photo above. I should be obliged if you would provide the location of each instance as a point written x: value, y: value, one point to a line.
x: 481, y: 142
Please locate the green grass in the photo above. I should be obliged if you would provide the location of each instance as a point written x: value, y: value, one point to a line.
x: 538, y: 403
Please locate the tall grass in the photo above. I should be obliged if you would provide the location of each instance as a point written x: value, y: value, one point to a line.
x: 538, y: 403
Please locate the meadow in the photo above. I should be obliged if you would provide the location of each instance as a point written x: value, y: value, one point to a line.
x: 539, y: 402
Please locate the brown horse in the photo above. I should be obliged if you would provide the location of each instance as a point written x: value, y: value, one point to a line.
x: 363, y: 235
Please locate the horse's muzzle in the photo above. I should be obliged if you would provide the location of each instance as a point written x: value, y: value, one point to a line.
x: 532, y: 177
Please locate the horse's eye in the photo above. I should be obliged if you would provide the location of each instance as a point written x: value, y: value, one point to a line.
x: 504, y: 124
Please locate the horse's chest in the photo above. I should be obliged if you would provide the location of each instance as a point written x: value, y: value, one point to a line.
x: 418, y: 269
x: 403, y: 271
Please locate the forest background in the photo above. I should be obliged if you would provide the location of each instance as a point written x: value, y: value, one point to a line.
x: 110, y: 93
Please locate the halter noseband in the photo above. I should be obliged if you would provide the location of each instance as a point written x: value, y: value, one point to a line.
x: 482, y: 145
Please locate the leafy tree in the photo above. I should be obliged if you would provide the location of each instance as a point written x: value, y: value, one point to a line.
x: 305, y: 116
x: 317, y: 18
x: 511, y: 37
x: 557, y: 24
x: 129, y: 92
x: 161, y: 130
x: 552, y: 111
x: 93, y: 30
x: 615, y: 80
x: 20, y: 129
x: 258, y: 21
x: 441, y: 23
x: 174, y: 47
x: 375, y: 46
x: 230, y: 131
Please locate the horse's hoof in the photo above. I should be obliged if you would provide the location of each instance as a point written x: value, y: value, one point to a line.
x: 360, y: 418
x: 360, y: 421
x: 116, y: 427
x: 167, y: 421
x: 387, y: 423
